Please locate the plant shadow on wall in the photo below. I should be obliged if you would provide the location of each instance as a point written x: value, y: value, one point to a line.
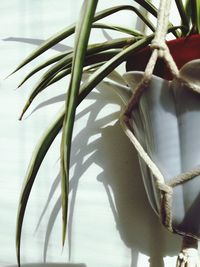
x: 138, y: 226
x: 129, y: 205
x: 34, y: 41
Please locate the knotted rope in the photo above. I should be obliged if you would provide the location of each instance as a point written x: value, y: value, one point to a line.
x: 189, y: 256
x: 159, y: 50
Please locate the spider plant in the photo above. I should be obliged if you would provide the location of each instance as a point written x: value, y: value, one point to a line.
x: 101, y: 59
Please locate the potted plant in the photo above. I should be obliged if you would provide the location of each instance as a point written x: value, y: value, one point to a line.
x: 99, y: 60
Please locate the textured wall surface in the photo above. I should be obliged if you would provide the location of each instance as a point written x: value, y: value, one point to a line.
x: 110, y: 221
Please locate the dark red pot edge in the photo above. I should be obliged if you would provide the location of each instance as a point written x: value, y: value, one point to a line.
x: 183, y: 50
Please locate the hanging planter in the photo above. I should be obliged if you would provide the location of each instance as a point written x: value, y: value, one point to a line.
x: 166, y: 123
x: 161, y: 118
x: 162, y: 121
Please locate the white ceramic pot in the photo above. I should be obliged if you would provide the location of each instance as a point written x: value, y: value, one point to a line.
x: 167, y: 125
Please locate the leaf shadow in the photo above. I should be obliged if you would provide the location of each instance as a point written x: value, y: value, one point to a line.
x: 58, y: 47
x: 138, y: 227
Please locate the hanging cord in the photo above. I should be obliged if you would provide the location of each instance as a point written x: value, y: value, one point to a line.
x: 160, y: 50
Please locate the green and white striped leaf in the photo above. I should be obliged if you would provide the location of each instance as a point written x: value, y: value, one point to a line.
x: 192, y: 8
x: 66, y: 63
x: 34, y: 165
x: 183, y: 15
x: 81, y: 41
x: 44, y: 65
x: 66, y: 32
x: 117, y: 28
x: 148, y: 6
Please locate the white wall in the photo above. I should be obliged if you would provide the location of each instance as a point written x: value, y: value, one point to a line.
x: 110, y: 221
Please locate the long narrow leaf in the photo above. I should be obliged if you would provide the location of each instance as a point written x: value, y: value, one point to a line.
x: 198, y: 15
x: 66, y: 62
x: 59, y: 56
x: 81, y: 41
x: 44, y: 65
x: 183, y: 15
x: 141, y: 16
x: 144, y: 18
x: 192, y: 8
x: 66, y: 32
x: 117, y: 28
x: 34, y: 165
x: 94, y: 48
x: 92, y: 61
x: 196, y: 12
x: 109, y: 66
x: 148, y: 6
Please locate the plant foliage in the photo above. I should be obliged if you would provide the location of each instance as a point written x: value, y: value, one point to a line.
x: 103, y: 58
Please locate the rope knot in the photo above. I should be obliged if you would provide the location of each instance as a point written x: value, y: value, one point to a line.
x: 159, y: 45
x: 165, y: 188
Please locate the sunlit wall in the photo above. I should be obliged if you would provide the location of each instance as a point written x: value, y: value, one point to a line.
x: 110, y: 221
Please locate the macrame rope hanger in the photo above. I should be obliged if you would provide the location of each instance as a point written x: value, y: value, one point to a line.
x: 188, y: 257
